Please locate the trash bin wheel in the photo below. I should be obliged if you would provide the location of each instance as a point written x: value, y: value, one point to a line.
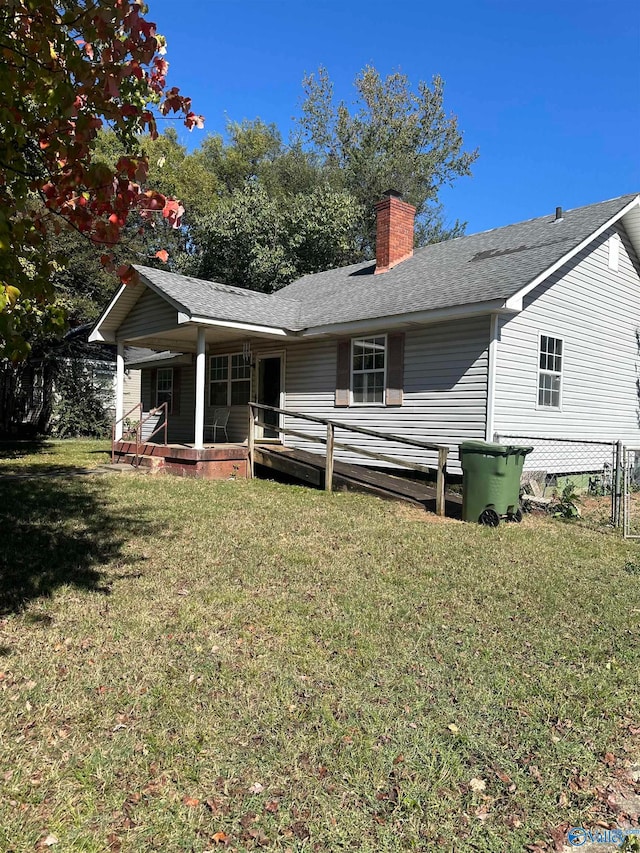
x: 515, y: 516
x: 489, y: 517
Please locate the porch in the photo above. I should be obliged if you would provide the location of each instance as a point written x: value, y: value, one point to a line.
x: 211, y: 461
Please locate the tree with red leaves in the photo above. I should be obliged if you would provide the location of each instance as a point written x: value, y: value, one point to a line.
x: 67, y: 69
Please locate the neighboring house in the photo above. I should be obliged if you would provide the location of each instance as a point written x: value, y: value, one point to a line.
x: 530, y: 329
x: 28, y: 390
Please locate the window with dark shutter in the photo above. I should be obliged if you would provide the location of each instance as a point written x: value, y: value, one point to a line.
x: 395, y: 370
x: 343, y: 374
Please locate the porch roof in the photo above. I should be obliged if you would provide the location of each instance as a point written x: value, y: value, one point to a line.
x: 214, y: 301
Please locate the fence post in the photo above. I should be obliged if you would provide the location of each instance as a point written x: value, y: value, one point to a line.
x: 328, y: 473
x: 443, y: 452
x: 252, y: 441
x: 617, y: 486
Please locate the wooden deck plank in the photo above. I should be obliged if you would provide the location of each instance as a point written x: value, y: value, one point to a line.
x: 309, y: 467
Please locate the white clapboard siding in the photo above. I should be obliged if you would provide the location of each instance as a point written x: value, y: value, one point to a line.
x: 445, y: 392
x: 150, y: 314
x: 132, y: 388
x: 596, y: 311
x: 181, y: 425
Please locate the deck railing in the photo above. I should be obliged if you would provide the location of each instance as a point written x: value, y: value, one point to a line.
x: 135, y: 429
x: 331, y: 445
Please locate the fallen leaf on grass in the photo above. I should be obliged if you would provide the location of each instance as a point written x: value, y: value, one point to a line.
x: 477, y: 785
x: 258, y: 837
x: 256, y: 788
x: 609, y: 759
x: 220, y: 838
x: 453, y: 728
x: 50, y: 840
x: 300, y: 830
x: 272, y: 806
x: 535, y: 772
x: 503, y: 777
x: 192, y: 802
x: 482, y: 813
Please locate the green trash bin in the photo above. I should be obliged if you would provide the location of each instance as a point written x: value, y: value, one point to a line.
x: 491, y: 481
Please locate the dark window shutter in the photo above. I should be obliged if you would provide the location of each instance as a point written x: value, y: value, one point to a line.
x: 343, y: 374
x: 175, y: 397
x: 395, y: 369
x: 153, y: 393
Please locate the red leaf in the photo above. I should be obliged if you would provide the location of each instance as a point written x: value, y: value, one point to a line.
x: 192, y: 802
x: 163, y: 255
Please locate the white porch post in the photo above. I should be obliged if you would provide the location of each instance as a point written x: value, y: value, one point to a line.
x: 200, y: 390
x: 119, y: 391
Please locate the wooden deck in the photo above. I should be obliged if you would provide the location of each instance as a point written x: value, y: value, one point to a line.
x: 310, y: 468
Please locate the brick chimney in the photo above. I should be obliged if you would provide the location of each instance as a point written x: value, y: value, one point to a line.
x: 394, y: 231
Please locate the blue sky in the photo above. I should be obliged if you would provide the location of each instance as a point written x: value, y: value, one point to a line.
x: 548, y: 91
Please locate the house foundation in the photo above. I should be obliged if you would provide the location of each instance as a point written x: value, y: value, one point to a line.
x: 213, y: 462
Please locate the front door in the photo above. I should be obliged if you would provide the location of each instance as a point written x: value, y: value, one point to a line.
x: 270, y: 393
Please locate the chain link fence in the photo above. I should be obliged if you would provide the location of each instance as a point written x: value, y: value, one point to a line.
x: 582, y: 466
x: 631, y: 492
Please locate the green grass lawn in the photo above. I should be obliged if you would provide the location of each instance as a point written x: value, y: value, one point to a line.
x: 24, y: 457
x: 192, y: 666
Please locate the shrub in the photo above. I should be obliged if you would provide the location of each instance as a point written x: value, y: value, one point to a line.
x: 81, y: 404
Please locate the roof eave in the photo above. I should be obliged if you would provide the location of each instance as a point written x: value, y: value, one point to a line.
x: 515, y: 302
x: 413, y: 318
x: 256, y: 328
x: 97, y: 333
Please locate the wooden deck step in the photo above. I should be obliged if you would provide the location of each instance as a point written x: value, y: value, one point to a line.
x: 310, y: 468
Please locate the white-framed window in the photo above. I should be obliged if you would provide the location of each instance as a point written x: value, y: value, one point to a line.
x: 164, y: 387
x: 368, y: 370
x: 219, y: 380
x: 550, y: 372
x: 240, y: 380
x: 229, y: 380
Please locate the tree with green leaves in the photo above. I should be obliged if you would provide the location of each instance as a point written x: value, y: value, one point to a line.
x: 257, y: 240
x: 393, y: 137
x: 288, y: 209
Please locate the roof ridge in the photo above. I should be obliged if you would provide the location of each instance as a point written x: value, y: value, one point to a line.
x: 525, y: 221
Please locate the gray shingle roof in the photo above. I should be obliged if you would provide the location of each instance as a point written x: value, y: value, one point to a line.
x: 494, y: 264
x: 491, y: 265
x: 212, y: 300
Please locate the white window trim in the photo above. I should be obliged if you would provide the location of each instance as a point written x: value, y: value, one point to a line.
x: 382, y: 404
x: 539, y: 371
x: 228, y: 380
x: 170, y: 400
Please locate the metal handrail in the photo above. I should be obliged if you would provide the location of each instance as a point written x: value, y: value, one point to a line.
x: 163, y: 407
x: 331, y: 444
x: 137, y: 407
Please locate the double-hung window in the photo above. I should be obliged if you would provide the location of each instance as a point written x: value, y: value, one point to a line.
x: 229, y: 380
x: 240, y: 380
x: 368, y: 370
x: 219, y: 380
x: 164, y: 387
x: 550, y: 372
